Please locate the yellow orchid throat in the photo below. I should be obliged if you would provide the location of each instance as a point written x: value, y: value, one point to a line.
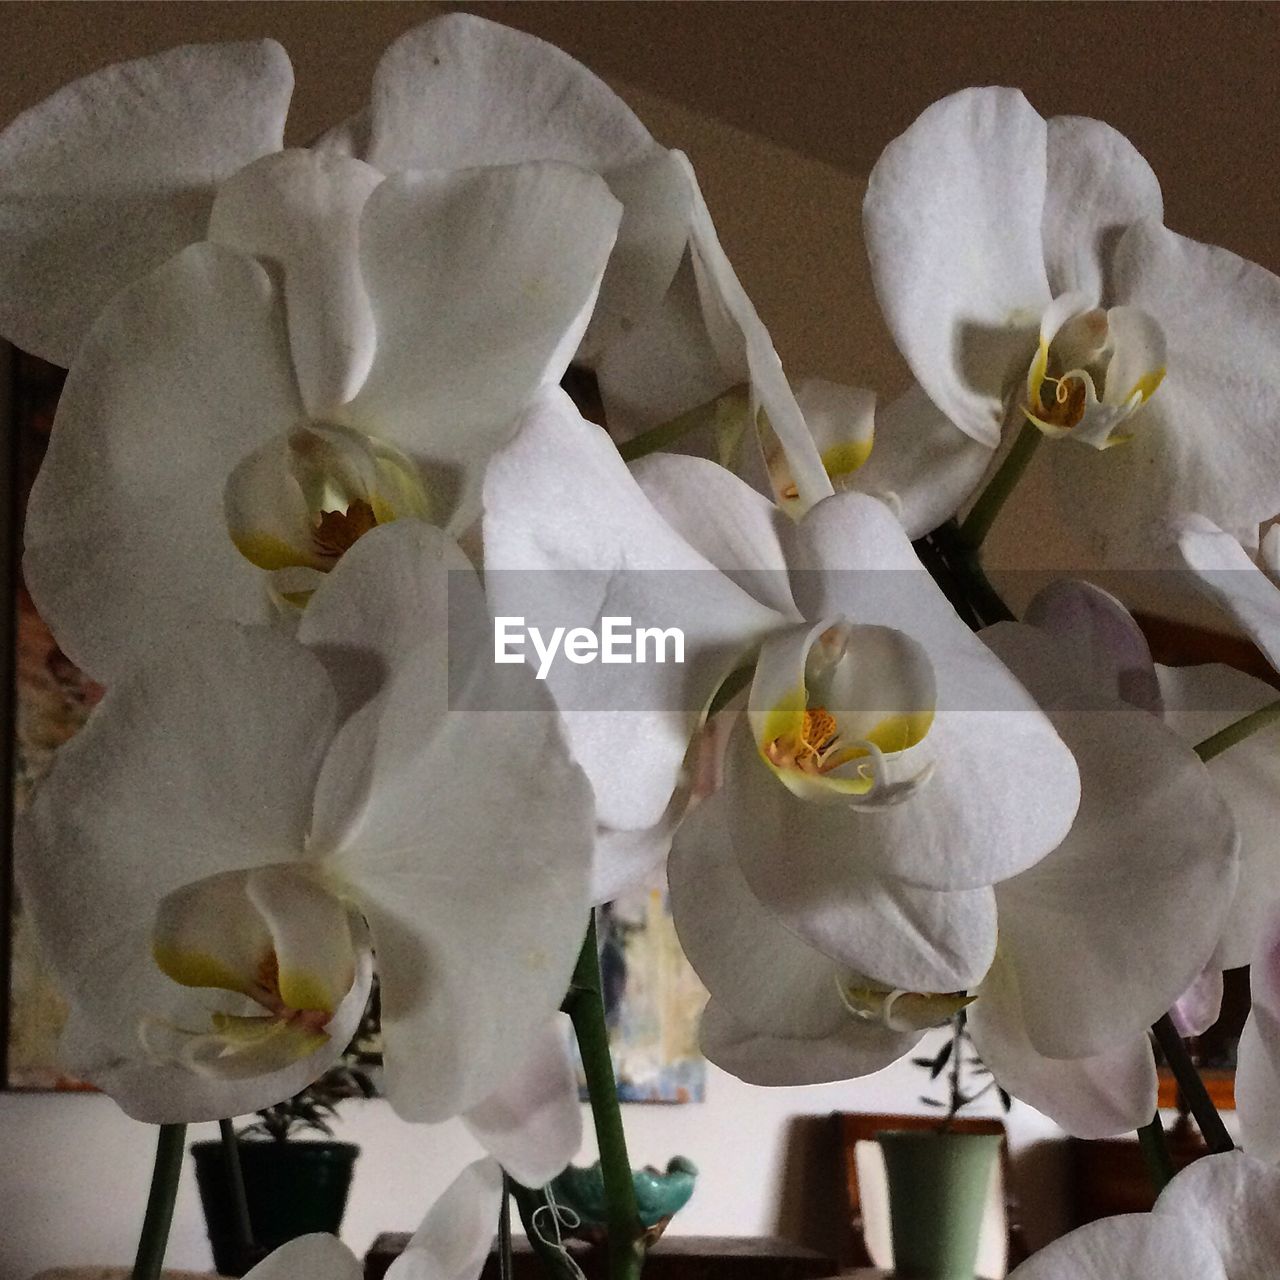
x: 1071, y: 383
x: 808, y: 740
x: 297, y: 506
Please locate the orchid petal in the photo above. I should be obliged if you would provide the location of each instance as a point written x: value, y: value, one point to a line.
x: 139, y: 806
x: 1100, y: 638
x: 1004, y: 790
x: 1226, y: 574
x: 779, y: 1017
x: 764, y: 1059
x: 1093, y: 1096
x: 310, y: 935
x: 315, y: 1257
x: 463, y: 976
x: 1230, y: 1201
x: 819, y: 867
x: 1133, y: 1246
x: 460, y: 91
x: 400, y: 586
x: 1200, y: 1005
x: 509, y: 261
x: 1217, y: 312
x: 667, y: 365
x: 735, y: 528
x: 569, y: 539
x: 1097, y: 183
x: 1151, y: 832
x: 1199, y: 701
x: 102, y: 182
x: 532, y: 1124
x: 183, y: 375
x: 652, y: 237
x: 921, y: 466
x: 746, y: 350
x: 455, y: 1237
x: 952, y: 222
x: 300, y: 212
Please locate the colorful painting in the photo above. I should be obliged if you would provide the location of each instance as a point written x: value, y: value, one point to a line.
x: 51, y: 700
x: 652, y: 1001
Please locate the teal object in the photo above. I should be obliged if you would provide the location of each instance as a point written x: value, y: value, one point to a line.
x: 658, y: 1194
x: 938, y: 1188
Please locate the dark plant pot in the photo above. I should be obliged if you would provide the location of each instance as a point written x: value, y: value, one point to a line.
x: 938, y: 1188
x: 293, y: 1189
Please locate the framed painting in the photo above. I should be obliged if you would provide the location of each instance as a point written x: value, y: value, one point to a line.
x: 44, y: 699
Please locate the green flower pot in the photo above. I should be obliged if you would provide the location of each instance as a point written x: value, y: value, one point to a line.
x: 293, y: 1189
x: 938, y: 1188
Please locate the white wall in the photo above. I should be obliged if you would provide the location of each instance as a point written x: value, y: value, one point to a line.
x: 74, y: 1170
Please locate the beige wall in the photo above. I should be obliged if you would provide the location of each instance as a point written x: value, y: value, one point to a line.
x: 831, y: 83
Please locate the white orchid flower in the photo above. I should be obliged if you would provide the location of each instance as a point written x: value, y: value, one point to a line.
x: 1217, y: 1220
x: 674, y: 328
x: 571, y: 536
x: 1024, y: 271
x: 453, y: 1242
x: 118, y: 171
x: 225, y: 435
x: 1066, y: 1035
x: 211, y: 862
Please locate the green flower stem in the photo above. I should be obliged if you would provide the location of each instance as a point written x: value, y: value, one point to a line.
x: 505, y: 1268
x: 585, y: 1007
x: 668, y: 433
x: 235, y: 1181
x: 977, y: 524
x: 1238, y: 731
x: 1195, y: 1094
x: 171, y: 1147
x: 1155, y: 1151
x: 959, y: 561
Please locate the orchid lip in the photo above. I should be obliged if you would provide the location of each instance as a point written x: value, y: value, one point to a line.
x: 295, y: 506
x: 1093, y: 370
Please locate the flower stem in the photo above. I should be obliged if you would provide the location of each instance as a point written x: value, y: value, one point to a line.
x: 977, y: 524
x: 1238, y: 731
x: 505, y: 1270
x: 695, y: 419
x: 959, y: 560
x: 1155, y: 1150
x: 235, y: 1182
x: 1195, y: 1094
x: 585, y: 1007
x: 171, y: 1146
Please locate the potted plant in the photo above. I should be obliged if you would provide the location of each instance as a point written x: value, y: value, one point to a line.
x: 938, y: 1176
x: 291, y: 1188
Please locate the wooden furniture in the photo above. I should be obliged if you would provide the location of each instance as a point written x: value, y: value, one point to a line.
x: 672, y: 1258
x: 855, y: 1127
x: 1109, y: 1176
